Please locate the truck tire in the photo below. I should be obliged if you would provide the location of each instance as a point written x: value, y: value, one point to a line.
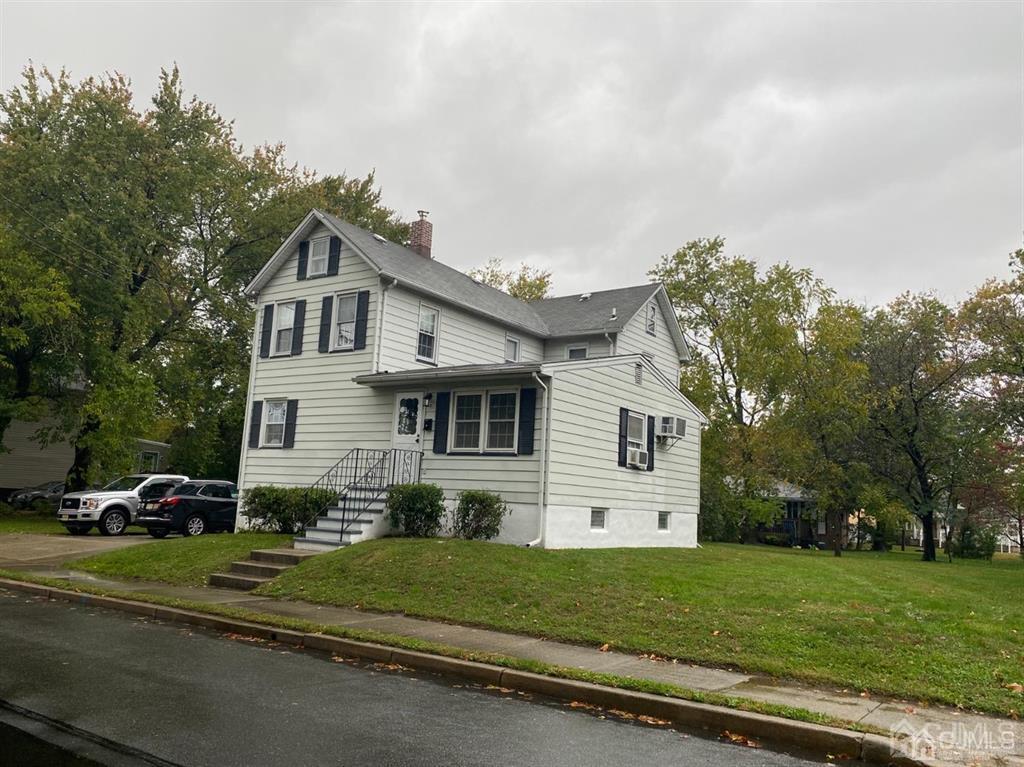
x: 114, y: 522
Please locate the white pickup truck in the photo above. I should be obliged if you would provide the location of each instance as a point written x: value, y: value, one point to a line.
x: 115, y: 506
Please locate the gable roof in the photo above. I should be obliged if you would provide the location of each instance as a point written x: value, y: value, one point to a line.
x: 549, y: 317
x: 569, y: 316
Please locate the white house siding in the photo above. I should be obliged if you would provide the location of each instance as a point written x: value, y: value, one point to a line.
x: 584, y: 472
x: 555, y: 348
x: 515, y: 478
x: 634, y: 339
x: 334, y: 414
x: 465, y: 339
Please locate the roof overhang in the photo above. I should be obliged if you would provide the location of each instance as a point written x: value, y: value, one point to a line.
x: 456, y: 373
x: 291, y: 243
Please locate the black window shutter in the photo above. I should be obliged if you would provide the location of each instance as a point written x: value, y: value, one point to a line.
x: 650, y: 443
x: 362, y: 308
x: 334, y: 256
x: 527, y: 416
x: 297, y: 328
x: 326, y: 309
x: 303, y: 259
x: 268, y: 327
x: 442, y: 402
x: 255, y: 418
x: 623, y: 434
x: 289, y: 423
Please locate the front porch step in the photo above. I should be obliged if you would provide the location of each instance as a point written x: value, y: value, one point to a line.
x: 335, y: 524
x: 336, y: 513
x: 258, y: 569
x: 240, y: 582
x: 314, y: 545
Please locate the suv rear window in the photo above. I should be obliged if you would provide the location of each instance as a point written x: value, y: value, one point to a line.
x: 187, y: 488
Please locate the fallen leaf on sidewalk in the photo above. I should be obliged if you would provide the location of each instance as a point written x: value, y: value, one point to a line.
x: 653, y: 720
x: 740, y: 740
x: 909, y: 710
x: 605, y: 647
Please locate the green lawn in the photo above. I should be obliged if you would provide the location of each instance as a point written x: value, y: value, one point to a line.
x: 31, y: 523
x: 886, y: 623
x: 183, y: 561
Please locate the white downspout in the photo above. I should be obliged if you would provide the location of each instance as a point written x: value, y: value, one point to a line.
x: 378, y: 341
x: 542, y: 506
x: 611, y: 344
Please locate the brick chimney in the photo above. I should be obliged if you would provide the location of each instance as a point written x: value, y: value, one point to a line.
x: 421, y: 234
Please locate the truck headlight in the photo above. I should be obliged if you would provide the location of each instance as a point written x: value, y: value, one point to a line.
x: 90, y: 503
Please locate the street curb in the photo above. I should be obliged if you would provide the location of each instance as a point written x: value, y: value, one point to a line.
x: 871, y: 748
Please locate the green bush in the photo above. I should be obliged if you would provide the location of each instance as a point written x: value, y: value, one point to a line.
x: 975, y: 542
x: 283, y: 509
x: 417, y: 508
x: 478, y: 515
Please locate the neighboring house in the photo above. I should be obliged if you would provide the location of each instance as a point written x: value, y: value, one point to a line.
x: 375, y: 364
x: 27, y: 462
x: 799, y: 523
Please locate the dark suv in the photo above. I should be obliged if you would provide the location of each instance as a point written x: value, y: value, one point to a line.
x: 192, y: 508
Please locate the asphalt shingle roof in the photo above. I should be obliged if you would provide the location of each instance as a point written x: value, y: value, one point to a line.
x: 568, y: 315
x: 433, y: 276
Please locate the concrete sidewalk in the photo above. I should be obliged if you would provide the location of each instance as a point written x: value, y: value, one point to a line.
x: 1001, y: 741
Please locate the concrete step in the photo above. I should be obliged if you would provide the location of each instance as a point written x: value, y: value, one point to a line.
x: 318, y: 534
x: 259, y: 569
x: 327, y: 523
x: 314, y: 546
x: 336, y: 513
x: 280, y: 556
x: 240, y: 582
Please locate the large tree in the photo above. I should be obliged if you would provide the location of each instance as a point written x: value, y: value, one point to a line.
x: 527, y: 283
x: 156, y: 219
x: 742, y: 325
x: 918, y: 361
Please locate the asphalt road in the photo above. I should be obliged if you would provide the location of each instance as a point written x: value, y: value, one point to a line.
x: 196, y: 698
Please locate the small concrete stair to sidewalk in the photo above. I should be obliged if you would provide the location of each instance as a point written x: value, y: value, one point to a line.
x: 263, y: 565
x: 327, y: 533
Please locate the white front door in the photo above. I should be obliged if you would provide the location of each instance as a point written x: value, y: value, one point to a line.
x: 408, y: 425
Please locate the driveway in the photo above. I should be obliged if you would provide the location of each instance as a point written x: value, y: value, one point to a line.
x: 23, y: 551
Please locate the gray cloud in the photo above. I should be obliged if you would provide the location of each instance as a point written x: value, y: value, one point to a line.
x: 879, y: 144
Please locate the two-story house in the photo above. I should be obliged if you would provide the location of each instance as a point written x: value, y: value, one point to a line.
x: 374, y: 364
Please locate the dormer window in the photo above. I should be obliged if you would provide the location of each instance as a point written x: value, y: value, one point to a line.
x: 319, y: 252
x: 652, y: 319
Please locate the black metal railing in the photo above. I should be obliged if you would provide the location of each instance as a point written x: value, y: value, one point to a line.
x: 359, y: 479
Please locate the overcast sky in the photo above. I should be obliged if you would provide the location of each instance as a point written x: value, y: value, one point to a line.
x: 879, y: 144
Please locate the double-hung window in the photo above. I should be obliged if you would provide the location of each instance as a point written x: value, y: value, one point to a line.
x: 636, y: 431
x: 284, y: 328
x: 319, y: 250
x: 467, y: 416
x: 345, y: 321
x: 273, y: 429
x: 426, y: 340
x: 511, y: 349
x: 652, y: 319
x: 501, y: 420
x: 485, y: 421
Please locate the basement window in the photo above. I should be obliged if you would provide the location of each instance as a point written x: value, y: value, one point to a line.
x: 663, y: 520
x: 598, y: 519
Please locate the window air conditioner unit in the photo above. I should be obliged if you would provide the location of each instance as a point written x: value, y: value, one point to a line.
x: 636, y: 457
x: 672, y: 426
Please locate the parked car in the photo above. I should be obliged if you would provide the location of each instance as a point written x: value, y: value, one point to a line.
x: 48, y: 491
x: 115, y: 506
x: 192, y: 508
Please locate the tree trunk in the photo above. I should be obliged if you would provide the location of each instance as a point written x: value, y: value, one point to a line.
x: 836, y: 532
x: 928, y: 536
x: 78, y: 474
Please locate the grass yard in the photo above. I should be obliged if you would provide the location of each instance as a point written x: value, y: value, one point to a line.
x: 31, y: 523
x: 886, y: 623
x: 183, y: 561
